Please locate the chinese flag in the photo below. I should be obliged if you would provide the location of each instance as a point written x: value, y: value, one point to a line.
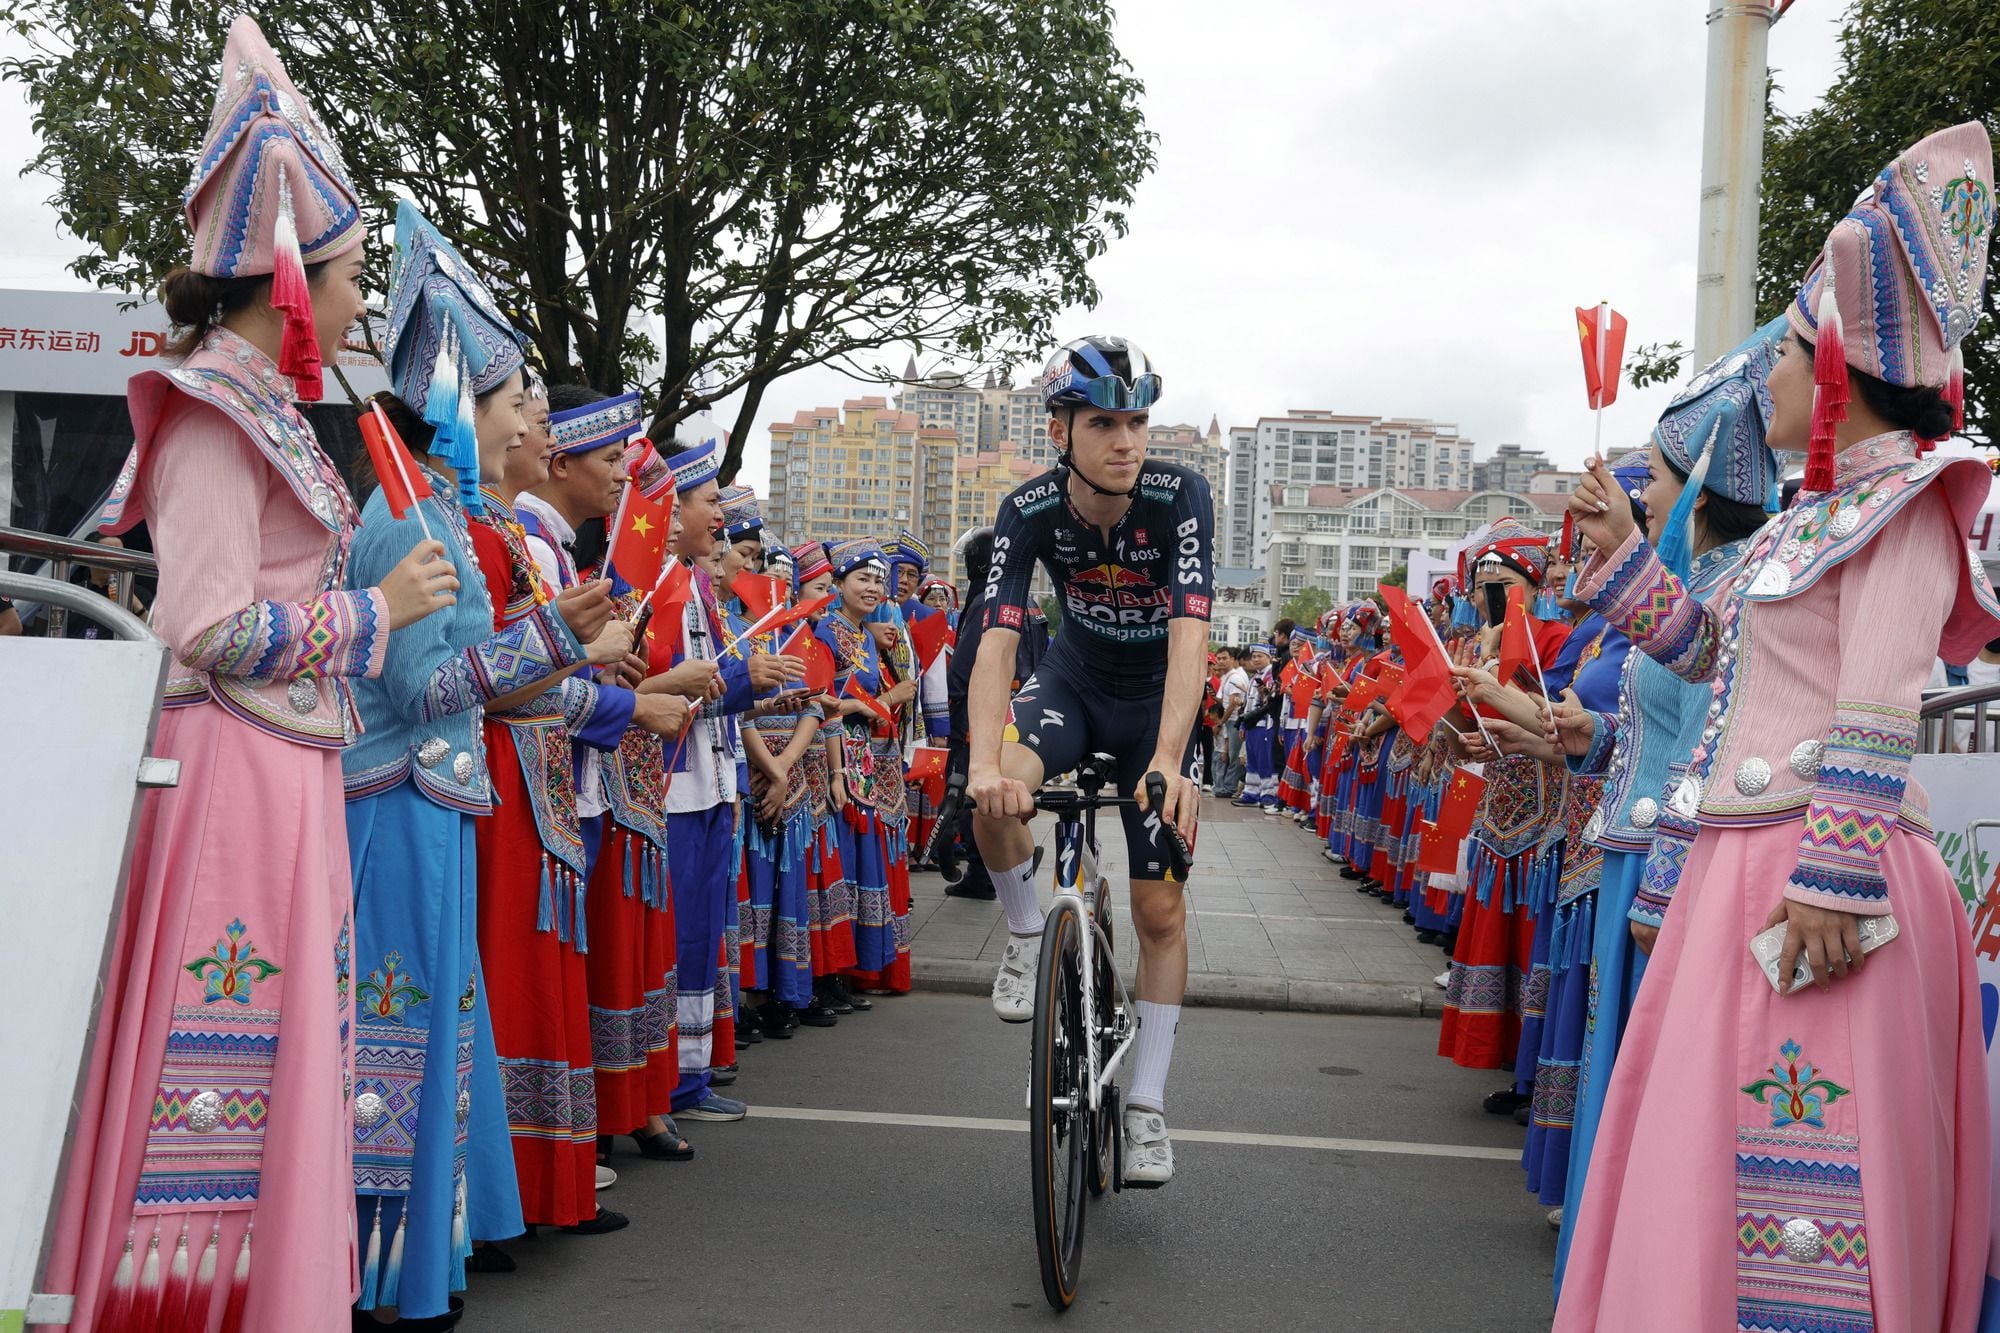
x: 856, y: 691
x: 805, y: 646
x: 1516, y: 647
x: 1426, y: 694
x: 929, y: 636
x: 638, y: 537
x: 1602, y: 332
x: 1366, y: 690
x: 927, y: 767
x: 1439, y: 842
x: 403, y: 482
x: 672, y: 591
x: 760, y: 594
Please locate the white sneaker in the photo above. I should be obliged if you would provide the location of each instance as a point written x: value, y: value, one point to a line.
x: 1149, y: 1153
x: 1014, y: 984
x: 606, y: 1177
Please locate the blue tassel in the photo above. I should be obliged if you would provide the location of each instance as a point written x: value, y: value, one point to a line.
x: 371, y: 1263
x: 582, y: 916
x: 628, y: 868
x: 392, y: 1274
x: 1462, y: 614
x: 1546, y: 607
x: 1676, y: 549
x: 545, y: 911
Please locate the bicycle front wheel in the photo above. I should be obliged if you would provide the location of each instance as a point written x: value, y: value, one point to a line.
x: 1059, y: 1127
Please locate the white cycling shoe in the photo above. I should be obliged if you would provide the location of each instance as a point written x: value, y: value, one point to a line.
x: 1149, y: 1153
x: 1014, y: 985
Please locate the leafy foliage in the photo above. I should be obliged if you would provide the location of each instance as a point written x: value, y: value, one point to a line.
x: 1907, y: 69
x: 1656, y: 363
x: 1305, y: 606
x: 785, y: 183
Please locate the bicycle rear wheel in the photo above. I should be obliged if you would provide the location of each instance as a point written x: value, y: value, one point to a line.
x: 1059, y: 1135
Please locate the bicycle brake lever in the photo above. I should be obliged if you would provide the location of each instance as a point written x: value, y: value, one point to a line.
x: 1179, y: 858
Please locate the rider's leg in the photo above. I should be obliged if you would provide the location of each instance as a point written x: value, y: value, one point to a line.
x: 1159, y: 916
x: 1008, y: 843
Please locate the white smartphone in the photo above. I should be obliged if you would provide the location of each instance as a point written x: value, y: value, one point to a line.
x: 1769, y: 947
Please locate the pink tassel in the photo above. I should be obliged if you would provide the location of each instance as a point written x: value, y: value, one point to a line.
x: 239, y: 1286
x: 1830, y: 394
x: 291, y: 296
x: 117, y: 1314
x: 201, y: 1289
x: 146, y: 1301
x: 174, y: 1296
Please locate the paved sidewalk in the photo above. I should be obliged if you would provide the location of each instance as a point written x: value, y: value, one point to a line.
x: 1271, y: 925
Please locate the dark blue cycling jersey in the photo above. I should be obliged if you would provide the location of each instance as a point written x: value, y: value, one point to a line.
x: 1117, y: 594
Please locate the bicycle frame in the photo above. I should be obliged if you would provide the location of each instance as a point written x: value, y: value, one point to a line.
x: 1076, y: 865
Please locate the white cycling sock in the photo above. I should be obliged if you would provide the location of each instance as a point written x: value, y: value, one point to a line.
x: 1016, y: 888
x: 1157, y: 1025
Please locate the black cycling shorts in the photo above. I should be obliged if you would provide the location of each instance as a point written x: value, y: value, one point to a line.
x: 1062, y: 715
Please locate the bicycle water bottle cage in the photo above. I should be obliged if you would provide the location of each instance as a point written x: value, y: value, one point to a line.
x: 1093, y: 774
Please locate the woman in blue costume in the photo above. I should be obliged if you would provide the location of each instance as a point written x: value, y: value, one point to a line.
x: 433, y: 1163
x: 867, y: 778
x: 1715, y: 429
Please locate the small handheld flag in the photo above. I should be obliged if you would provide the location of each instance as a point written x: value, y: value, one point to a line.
x: 1602, y: 333
x: 403, y: 482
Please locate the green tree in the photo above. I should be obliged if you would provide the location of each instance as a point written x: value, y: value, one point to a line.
x: 786, y: 183
x: 1399, y: 577
x: 1305, y: 606
x: 1907, y: 68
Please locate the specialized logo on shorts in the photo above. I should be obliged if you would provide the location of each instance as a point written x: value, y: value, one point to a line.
x: 1010, y: 616
x: 1197, y: 605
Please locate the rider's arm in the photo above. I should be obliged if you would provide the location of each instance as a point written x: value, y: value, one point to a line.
x: 1187, y: 646
x: 1002, y: 614
x: 1187, y: 639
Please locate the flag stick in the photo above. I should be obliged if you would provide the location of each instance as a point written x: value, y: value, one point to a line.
x: 1535, y: 656
x: 402, y: 471
x: 1603, y: 341
x: 617, y: 527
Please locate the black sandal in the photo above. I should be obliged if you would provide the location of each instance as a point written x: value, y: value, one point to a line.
x: 489, y: 1258
x: 604, y: 1223
x: 666, y: 1146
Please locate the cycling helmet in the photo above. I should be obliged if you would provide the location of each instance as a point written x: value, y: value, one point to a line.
x: 1100, y: 371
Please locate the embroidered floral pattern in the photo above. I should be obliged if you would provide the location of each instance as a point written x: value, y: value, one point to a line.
x: 388, y: 991
x: 233, y: 968
x: 1799, y: 1093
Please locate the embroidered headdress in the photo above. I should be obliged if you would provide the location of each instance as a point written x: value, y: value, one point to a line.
x: 846, y: 557
x: 269, y: 193
x: 1900, y: 281
x: 1713, y: 432
x: 1510, y: 543
x: 578, y: 430
x: 742, y: 517
x: 448, y: 343
x: 809, y: 561
x: 905, y: 549
x: 695, y: 465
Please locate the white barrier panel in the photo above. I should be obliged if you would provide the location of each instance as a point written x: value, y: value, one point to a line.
x: 76, y: 721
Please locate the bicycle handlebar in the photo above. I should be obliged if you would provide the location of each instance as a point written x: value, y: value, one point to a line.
x: 942, y: 848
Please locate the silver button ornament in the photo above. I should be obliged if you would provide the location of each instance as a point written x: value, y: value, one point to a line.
x: 462, y: 767
x: 1844, y: 523
x: 204, y: 1111
x: 464, y: 1105
x: 1594, y: 829
x: 369, y: 1108
x: 303, y: 694
x: 1772, y: 580
x: 433, y: 751
x: 1805, y: 759
x: 1923, y: 467
x: 1645, y: 811
x: 1804, y: 1242
x: 1752, y: 776
x: 1686, y: 800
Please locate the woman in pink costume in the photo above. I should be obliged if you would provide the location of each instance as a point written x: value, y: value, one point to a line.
x: 1816, y: 1160
x: 217, y: 1102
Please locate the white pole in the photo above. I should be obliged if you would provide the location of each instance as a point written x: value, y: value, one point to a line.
x: 1732, y: 165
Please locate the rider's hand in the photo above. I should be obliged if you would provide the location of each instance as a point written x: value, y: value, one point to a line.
x: 1183, y: 804
x: 997, y: 796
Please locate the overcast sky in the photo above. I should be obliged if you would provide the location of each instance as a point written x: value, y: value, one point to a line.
x: 1381, y: 209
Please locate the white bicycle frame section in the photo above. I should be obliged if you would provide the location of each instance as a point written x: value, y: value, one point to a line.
x: 1076, y: 866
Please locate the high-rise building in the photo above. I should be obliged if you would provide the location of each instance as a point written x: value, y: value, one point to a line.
x: 982, y: 416
x: 837, y: 475
x: 1509, y: 468
x: 1319, y: 448
x: 981, y: 481
x: 1198, y: 452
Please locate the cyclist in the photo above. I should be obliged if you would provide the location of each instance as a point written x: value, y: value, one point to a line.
x: 1127, y: 546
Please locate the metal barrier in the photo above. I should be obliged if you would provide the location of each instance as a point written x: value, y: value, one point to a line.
x: 1967, y: 713
x: 61, y: 553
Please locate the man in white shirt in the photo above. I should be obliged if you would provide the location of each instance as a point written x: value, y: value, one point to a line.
x: 1232, y: 696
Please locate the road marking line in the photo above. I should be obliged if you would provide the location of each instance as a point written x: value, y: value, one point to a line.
x: 1235, y: 1139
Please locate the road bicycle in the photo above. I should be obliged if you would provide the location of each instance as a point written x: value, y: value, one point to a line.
x: 1082, y: 1031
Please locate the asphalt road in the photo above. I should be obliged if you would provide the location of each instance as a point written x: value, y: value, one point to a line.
x: 811, y: 1221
